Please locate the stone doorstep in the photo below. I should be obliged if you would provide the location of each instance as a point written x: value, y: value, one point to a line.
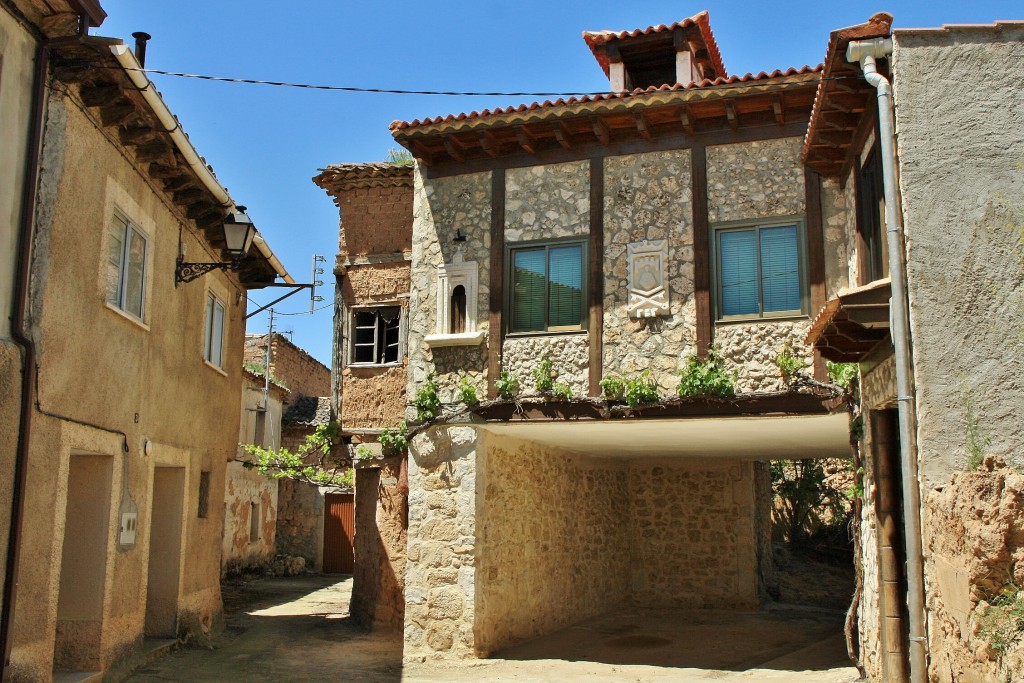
x: 77, y: 676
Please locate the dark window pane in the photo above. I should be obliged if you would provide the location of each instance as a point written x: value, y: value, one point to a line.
x: 528, y: 289
x: 737, y: 265
x: 565, y: 291
x: 780, y: 269
x: 457, y: 315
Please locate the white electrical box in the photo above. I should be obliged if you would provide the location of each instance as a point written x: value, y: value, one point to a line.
x: 129, y: 523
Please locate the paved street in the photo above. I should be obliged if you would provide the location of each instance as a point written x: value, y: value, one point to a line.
x: 298, y: 629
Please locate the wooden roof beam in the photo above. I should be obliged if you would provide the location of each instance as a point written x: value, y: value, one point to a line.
x: 117, y: 113
x: 137, y: 135
x: 684, y: 118
x: 98, y: 94
x: 641, y: 125
x: 454, y: 149
x: 730, y: 114
x: 526, y: 139
x: 562, y: 135
x: 488, y: 144
x: 780, y: 114
x: 601, y: 130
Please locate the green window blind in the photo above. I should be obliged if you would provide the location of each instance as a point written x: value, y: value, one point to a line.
x: 528, y: 288
x: 565, y: 291
x: 737, y: 250
x: 547, y: 288
x: 780, y: 269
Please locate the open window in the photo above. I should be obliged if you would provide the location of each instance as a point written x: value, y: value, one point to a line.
x: 376, y: 336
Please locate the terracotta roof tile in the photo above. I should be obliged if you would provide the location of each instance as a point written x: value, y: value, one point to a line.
x: 701, y: 20
x: 397, y: 126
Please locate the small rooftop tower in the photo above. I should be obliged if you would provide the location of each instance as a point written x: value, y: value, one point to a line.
x: 684, y: 52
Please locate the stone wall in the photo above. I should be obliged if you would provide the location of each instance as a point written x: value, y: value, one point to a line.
x: 378, y: 580
x: 648, y: 197
x: 440, y: 581
x: 965, y: 232
x: 752, y: 180
x: 569, y: 353
x: 300, y: 373
x: 691, y: 533
x: 553, y: 540
x: 750, y: 348
x: 442, y: 208
x: 300, y: 522
x: 839, y: 222
x: 547, y: 202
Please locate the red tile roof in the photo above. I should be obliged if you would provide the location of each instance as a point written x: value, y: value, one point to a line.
x: 700, y: 20
x: 548, y: 104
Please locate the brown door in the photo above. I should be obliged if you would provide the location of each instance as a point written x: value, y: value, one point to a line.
x: 339, y: 530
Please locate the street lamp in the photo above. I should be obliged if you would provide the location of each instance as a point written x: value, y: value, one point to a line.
x: 239, y: 233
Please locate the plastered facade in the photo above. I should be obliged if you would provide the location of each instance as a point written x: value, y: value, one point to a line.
x: 141, y: 381
x: 965, y: 237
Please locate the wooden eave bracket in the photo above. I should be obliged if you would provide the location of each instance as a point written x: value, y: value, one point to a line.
x: 526, y: 139
x: 601, y: 130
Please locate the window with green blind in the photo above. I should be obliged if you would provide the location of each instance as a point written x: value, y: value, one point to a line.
x: 759, y: 270
x: 547, y: 287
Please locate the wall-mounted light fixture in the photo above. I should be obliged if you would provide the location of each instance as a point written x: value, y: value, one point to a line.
x: 239, y: 232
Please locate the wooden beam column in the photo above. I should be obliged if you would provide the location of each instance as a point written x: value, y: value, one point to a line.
x: 815, y: 256
x: 701, y: 248
x: 495, y: 327
x: 596, y: 280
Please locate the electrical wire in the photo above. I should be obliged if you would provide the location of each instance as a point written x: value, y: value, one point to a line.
x: 446, y: 93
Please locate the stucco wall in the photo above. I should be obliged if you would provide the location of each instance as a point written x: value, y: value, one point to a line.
x: 300, y: 522
x: 443, y: 207
x: 648, y: 197
x: 552, y: 540
x: 964, y: 220
x: 691, y: 533
x: 141, y: 380
x: 245, y: 488
x: 375, y: 220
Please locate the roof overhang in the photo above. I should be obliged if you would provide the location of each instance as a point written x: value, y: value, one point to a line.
x: 338, y: 178
x: 842, y: 99
x: 580, y: 124
x: 764, y: 437
x: 852, y: 324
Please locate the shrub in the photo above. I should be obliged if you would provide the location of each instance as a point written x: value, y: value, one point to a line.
x: 842, y: 374
x: 788, y: 363
x: 466, y: 393
x: 544, y: 375
x: 562, y: 391
x: 392, y: 442
x: 642, y: 389
x: 613, y: 387
x: 706, y: 377
x: 427, y: 402
x: 507, y: 385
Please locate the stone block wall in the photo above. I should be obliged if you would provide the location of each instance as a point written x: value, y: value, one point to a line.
x: 375, y: 220
x: 440, y: 581
x: 300, y: 522
x: 570, y: 358
x: 691, y: 533
x: 301, y: 374
x: 839, y: 222
x: 378, y: 580
x: 753, y: 180
x: 648, y: 197
x: 750, y: 348
x: 553, y: 540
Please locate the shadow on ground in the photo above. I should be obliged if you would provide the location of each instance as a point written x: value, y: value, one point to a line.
x: 294, y: 629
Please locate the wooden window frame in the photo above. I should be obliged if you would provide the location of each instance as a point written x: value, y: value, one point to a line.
x: 353, y: 313
x: 212, y: 302
x: 757, y: 225
x: 130, y: 233
x: 509, y: 303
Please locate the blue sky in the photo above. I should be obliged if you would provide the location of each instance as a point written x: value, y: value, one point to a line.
x: 265, y: 143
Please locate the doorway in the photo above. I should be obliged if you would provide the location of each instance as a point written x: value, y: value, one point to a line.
x: 339, y: 533
x: 83, y: 564
x: 164, y: 552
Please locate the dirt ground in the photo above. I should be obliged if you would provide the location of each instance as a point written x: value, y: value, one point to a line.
x: 298, y: 629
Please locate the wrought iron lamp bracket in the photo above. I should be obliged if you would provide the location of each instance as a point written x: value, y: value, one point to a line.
x: 187, y: 272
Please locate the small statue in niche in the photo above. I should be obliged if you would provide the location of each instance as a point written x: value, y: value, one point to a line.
x: 647, y: 279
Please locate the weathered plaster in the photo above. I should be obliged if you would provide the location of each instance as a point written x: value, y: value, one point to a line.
x: 648, y: 197
x: 758, y: 179
x: 964, y: 218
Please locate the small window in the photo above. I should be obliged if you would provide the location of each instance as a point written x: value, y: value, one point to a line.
x: 458, y: 314
x: 126, y: 267
x: 214, y: 345
x: 759, y: 271
x: 871, y: 217
x: 204, y: 495
x: 547, y: 288
x: 375, y: 336
x: 254, y: 522
x: 261, y: 427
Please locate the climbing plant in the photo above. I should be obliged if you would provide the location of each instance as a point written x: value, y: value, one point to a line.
x: 314, y: 462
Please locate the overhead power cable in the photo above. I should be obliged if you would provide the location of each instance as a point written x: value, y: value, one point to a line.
x: 447, y: 93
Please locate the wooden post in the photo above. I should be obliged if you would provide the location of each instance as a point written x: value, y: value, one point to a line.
x: 495, y: 327
x: 701, y: 248
x: 596, y: 280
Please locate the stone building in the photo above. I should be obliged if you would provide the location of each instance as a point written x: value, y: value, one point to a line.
x: 371, y: 327
x: 958, y: 295
x: 118, y: 478
x: 613, y: 235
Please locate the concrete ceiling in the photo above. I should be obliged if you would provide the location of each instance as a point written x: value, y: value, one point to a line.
x: 748, y: 438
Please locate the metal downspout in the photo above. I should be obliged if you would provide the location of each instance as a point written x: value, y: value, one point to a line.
x: 866, y: 52
x: 20, y: 336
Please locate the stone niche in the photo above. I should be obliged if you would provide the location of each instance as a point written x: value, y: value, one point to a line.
x: 456, y: 304
x: 647, y: 276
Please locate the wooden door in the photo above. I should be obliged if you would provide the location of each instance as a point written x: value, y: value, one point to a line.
x: 339, y: 532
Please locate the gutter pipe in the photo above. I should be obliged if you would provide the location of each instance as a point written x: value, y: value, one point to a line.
x: 134, y: 70
x: 21, y: 338
x: 865, y: 53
